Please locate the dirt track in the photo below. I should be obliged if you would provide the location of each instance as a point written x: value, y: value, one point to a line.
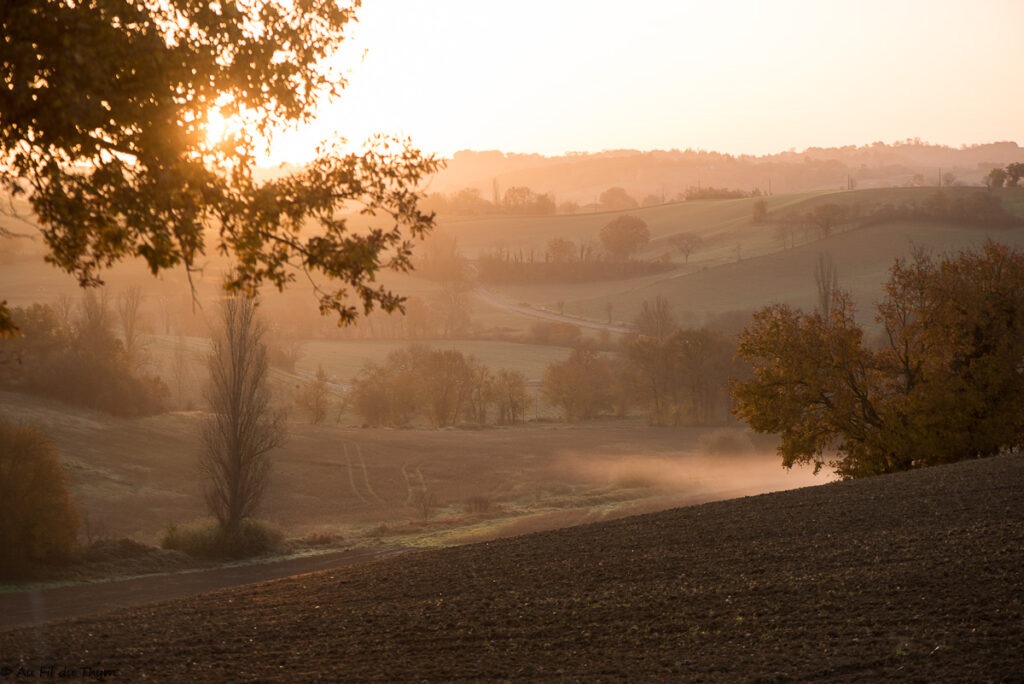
x: 35, y: 607
x: 917, y: 576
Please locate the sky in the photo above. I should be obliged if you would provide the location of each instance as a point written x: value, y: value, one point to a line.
x: 733, y: 76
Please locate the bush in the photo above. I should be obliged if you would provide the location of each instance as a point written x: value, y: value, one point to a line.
x: 37, y: 521
x: 207, y: 539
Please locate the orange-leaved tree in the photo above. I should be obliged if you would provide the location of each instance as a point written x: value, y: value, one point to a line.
x: 946, y: 382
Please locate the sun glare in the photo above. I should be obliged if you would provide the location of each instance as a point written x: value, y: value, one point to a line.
x: 219, y: 127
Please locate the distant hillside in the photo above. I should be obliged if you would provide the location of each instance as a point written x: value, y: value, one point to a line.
x: 581, y: 178
x: 739, y: 265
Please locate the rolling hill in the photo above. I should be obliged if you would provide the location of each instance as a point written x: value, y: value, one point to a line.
x: 740, y: 265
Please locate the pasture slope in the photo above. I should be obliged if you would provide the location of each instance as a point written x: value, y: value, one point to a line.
x: 915, y: 576
x: 740, y: 265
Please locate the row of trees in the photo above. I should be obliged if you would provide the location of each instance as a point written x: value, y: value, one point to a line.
x: 1008, y: 177
x: 709, y: 193
x: 443, y: 386
x: 520, y: 200
x: 966, y: 206
x: 517, y: 201
x: 566, y: 261
x: 676, y: 376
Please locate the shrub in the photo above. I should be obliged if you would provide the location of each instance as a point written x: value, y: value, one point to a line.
x: 37, y: 521
x: 207, y: 539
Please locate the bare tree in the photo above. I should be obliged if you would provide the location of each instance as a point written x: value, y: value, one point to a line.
x: 826, y: 277
x: 242, y: 428
x: 181, y: 372
x: 655, y: 318
x: 510, y: 396
x: 128, y: 305
x: 315, y: 398
x: 686, y: 243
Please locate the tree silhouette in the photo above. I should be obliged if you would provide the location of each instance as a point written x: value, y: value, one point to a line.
x: 943, y: 386
x: 242, y: 428
x: 105, y: 134
x: 624, y: 235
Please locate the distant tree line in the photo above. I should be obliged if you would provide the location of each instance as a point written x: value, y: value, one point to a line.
x: 565, y: 261
x: 1008, y: 177
x: 70, y: 353
x: 698, y: 193
x: 517, y: 201
x: 521, y: 200
x: 963, y: 206
x: 442, y: 386
x: 675, y: 376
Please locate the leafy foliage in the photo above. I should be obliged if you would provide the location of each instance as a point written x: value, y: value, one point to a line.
x: 946, y: 383
x: 616, y: 199
x: 624, y: 235
x: 37, y: 521
x: 106, y: 134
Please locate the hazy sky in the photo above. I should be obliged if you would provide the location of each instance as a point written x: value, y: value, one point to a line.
x: 737, y: 76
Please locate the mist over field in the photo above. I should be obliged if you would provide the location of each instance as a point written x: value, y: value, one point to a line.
x: 350, y: 341
x: 463, y: 412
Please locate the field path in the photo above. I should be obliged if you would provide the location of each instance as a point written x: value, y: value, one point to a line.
x: 503, y: 303
x: 34, y: 607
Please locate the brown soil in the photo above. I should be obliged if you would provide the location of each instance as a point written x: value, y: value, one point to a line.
x: 915, y: 576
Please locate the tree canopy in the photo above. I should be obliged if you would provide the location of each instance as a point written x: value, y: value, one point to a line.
x: 945, y: 383
x: 624, y: 235
x: 104, y: 115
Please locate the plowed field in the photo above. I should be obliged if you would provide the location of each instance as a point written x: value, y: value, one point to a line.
x: 917, y: 576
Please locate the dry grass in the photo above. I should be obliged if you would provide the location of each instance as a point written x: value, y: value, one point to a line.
x: 132, y: 478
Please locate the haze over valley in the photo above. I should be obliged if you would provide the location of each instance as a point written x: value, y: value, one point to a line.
x: 596, y: 341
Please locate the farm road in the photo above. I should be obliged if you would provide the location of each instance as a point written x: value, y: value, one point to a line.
x: 35, y: 607
x: 522, y: 309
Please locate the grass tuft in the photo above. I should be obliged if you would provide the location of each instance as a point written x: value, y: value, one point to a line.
x: 206, y: 539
